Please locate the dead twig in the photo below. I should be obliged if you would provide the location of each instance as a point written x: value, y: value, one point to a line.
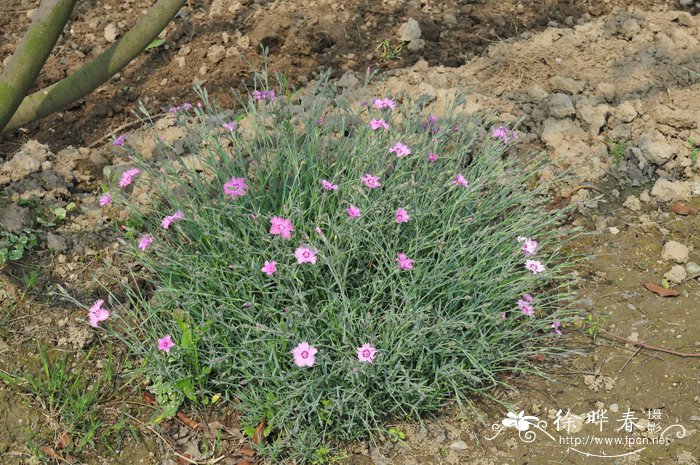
x: 615, y: 337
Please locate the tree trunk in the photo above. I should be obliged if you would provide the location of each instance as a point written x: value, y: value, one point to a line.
x: 79, y: 84
x: 35, y: 47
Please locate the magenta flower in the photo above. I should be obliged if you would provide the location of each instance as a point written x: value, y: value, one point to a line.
x: 166, y: 343
x: 304, y: 355
x: 318, y: 231
x: 402, y: 216
x: 329, y: 186
x: 96, y: 313
x: 305, y: 255
x: 186, y: 106
x: 232, y: 126
x: 353, y: 211
x: 401, y: 150
x: 127, y: 177
x: 366, y: 353
x: 370, y: 181
x: 267, y: 95
x: 529, y: 246
x: 145, y: 241
x: 556, y: 324
x: 170, y: 219
x: 526, y: 308
x: 236, y: 187
x: 432, y: 157
x: 269, y: 268
x: 504, y: 134
x: 281, y: 227
x: 119, y: 141
x: 534, y: 266
x: 382, y: 103
x: 375, y: 124
x: 528, y: 298
x: 106, y: 199
x: 460, y: 180
x: 404, y: 262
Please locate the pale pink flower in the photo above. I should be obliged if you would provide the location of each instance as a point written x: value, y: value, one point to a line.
x: 528, y: 298
x: 404, y: 262
x: 401, y: 150
x: 370, y: 181
x: 96, y: 313
x: 556, y: 324
x: 145, y: 241
x: 366, y: 353
x: 526, y: 308
x: 504, y: 134
x: 353, y: 211
x: 236, y: 187
x: 504, y: 315
x: 375, y: 124
x: 269, y: 268
x: 384, y: 103
x: 521, y: 238
x: 170, y: 219
x: 166, y: 343
x: 402, y: 216
x: 119, y: 141
x: 127, y: 177
x: 231, y: 126
x: 267, y: 95
x: 432, y: 157
x: 106, y: 199
x: 534, y: 266
x: 460, y: 180
x: 305, y: 255
x: 318, y: 231
x: 529, y: 246
x: 329, y: 186
x: 281, y: 227
x: 304, y: 355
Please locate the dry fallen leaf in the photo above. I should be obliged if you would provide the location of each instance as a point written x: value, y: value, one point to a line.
x: 662, y: 291
x: 64, y: 441
x: 681, y: 208
x: 247, y: 451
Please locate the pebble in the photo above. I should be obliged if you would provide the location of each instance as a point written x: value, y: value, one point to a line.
x: 459, y: 445
x: 675, y: 251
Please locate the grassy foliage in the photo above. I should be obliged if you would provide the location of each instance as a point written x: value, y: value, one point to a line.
x: 439, y: 327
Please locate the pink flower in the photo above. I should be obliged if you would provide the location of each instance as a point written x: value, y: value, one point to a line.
x: 534, y: 266
x: 402, y: 216
x: 232, y: 126
x: 329, y: 186
x: 375, y: 124
x: 400, y: 150
x: 170, y: 219
x: 318, y: 231
x: 353, y: 211
x: 528, y: 298
x: 526, y: 308
x: 96, y: 313
x: 556, y: 324
x: 366, y: 353
x: 304, y: 355
x: 460, y: 180
x: 166, y: 343
x: 305, y: 255
x: 127, y: 177
x: 145, y: 241
x: 370, y: 181
x: 432, y: 157
x: 529, y: 246
x: 281, y: 227
x: 504, y: 315
x: 236, y: 187
x: 106, y: 199
x: 504, y: 134
x: 404, y: 262
x: 384, y: 103
x: 267, y: 95
x: 119, y: 141
x: 269, y: 268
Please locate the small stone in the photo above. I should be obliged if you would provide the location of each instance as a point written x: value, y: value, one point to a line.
x: 614, y: 230
x: 675, y: 251
x: 560, y: 106
x: 14, y: 218
x: 614, y: 408
x: 677, y: 274
x: 459, y: 445
x: 566, y: 85
x: 655, y: 148
x: 111, y: 32
x: 56, y: 243
x: 348, y: 80
x: 632, y: 203
x: 607, y: 90
x: 416, y: 45
x: 671, y: 191
x: 692, y: 268
x: 409, y: 31
x: 644, y: 196
x: 216, y: 53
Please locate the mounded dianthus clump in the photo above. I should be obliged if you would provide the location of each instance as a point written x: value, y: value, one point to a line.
x: 334, y: 269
